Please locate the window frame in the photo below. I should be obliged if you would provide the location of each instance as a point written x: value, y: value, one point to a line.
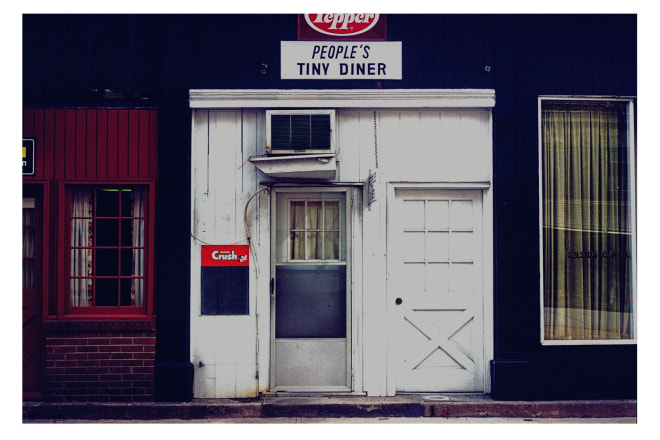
x: 341, y: 230
x: 64, y: 245
x: 631, y: 136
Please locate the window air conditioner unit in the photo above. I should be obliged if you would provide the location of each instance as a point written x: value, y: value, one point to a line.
x: 294, y: 132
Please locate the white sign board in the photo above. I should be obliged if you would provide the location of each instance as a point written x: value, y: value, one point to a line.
x: 341, y: 60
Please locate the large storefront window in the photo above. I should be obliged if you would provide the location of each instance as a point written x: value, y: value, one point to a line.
x: 588, y: 237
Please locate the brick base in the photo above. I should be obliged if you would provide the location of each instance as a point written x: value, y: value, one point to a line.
x: 100, y: 361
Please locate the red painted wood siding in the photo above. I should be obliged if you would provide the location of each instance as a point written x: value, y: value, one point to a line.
x: 93, y: 143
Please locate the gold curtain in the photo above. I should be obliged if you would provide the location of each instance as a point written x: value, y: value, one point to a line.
x: 586, y: 222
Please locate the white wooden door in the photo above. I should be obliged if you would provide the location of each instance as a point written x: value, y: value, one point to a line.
x: 435, y: 290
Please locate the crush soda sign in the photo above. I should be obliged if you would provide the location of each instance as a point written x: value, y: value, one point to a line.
x: 344, y: 25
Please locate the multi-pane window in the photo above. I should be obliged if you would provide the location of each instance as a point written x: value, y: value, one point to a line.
x: 314, y: 230
x: 107, y: 247
x: 588, y: 204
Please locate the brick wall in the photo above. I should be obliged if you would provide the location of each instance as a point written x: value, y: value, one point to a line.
x: 100, y: 361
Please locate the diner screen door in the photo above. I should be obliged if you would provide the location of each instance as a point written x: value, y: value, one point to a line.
x: 310, y: 323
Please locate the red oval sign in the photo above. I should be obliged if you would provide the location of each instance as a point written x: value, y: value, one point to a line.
x: 342, y: 25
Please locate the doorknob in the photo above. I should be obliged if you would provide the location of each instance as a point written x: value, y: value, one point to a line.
x: 398, y: 301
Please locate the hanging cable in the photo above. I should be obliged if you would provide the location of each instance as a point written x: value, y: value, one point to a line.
x: 256, y: 268
x: 247, y: 229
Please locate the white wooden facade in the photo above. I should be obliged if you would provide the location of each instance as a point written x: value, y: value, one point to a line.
x: 427, y: 148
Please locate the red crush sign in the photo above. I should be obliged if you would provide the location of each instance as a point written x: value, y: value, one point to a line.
x: 225, y: 255
x: 341, y: 27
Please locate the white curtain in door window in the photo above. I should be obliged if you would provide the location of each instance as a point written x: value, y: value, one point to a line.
x: 314, y: 230
x: 81, y: 253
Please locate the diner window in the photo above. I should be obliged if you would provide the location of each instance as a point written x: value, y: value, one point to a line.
x: 588, y: 227
x: 108, y: 247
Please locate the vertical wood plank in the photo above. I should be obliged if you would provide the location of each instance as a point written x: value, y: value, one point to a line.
x: 112, y: 143
x: 199, y: 173
x: 60, y: 144
x: 122, y: 144
x: 133, y: 143
x: 153, y: 144
x: 49, y: 144
x: 70, y: 144
x: 38, y: 134
x: 102, y: 143
x: 91, y: 145
x: 28, y: 123
x: 143, y: 144
x: 80, y: 143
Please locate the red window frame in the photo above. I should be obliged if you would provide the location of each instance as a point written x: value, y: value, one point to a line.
x: 65, y: 208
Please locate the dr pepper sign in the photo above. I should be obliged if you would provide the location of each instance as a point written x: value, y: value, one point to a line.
x: 341, y: 46
x: 225, y: 279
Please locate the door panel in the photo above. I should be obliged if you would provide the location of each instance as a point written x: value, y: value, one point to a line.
x: 310, y: 322
x: 32, y: 299
x: 310, y: 363
x: 435, y: 290
x: 311, y: 302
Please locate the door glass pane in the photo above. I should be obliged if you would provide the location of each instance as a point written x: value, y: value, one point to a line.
x: 28, y: 274
x: 331, y: 215
x: 297, y: 215
x: 331, y: 245
x: 314, y: 215
x: 311, y: 302
x: 314, y: 249
x: 29, y: 243
x: 297, y: 245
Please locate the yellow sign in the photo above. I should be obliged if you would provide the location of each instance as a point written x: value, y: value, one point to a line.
x: 28, y: 157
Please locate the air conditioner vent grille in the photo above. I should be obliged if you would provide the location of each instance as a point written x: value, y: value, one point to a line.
x: 300, y: 133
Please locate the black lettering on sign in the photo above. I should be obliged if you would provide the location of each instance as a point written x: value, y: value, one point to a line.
x: 597, y: 254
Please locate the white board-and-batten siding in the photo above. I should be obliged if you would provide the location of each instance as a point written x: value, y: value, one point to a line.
x: 231, y: 353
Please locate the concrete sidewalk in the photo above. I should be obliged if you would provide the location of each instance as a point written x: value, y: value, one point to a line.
x: 329, y: 407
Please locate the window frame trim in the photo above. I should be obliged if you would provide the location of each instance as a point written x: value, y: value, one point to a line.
x: 631, y: 136
x: 64, y: 310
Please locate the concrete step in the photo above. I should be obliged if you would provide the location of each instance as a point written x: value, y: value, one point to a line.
x: 332, y: 406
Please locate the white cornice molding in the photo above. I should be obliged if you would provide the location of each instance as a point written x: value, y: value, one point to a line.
x: 352, y: 99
